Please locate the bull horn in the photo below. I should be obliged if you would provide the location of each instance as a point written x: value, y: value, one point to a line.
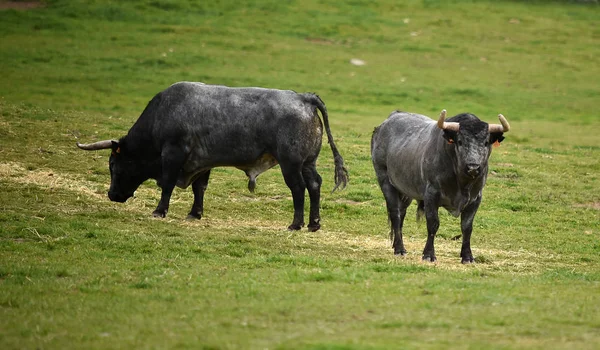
x: 502, y: 127
x: 96, y: 145
x: 442, y: 124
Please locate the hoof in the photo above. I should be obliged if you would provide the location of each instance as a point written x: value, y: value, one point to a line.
x: 158, y: 214
x: 401, y: 252
x: 468, y: 260
x: 192, y: 217
x: 429, y: 258
x: 295, y: 227
x: 313, y: 228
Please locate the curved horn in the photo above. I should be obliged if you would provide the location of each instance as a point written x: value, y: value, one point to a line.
x: 96, y: 145
x: 442, y: 124
x: 502, y: 127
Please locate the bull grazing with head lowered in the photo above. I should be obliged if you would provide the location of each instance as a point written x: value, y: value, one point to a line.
x: 190, y: 128
x: 439, y: 164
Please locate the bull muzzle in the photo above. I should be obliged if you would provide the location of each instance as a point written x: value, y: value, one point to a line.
x: 473, y: 170
x: 118, y: 197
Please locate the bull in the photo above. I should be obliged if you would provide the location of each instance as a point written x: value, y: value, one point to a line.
x: 190, y: 128
x: 438, y: 164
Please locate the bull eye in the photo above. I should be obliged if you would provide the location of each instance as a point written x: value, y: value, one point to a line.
x: 460, y: 142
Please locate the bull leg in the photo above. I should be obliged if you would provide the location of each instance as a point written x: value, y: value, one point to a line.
x: 173, y: 159
x: 404, y: 203
x: 292, y: 174
x: 431, y: 206
x: 466, y: 226
x: 313, y: 182
x: 396, y: 209
x: 199, y: 187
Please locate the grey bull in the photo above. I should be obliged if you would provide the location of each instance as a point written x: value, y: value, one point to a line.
x: 437, y: 163
x: 190, y: 128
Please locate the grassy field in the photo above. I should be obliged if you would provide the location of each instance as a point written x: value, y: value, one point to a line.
x: 78, y: 271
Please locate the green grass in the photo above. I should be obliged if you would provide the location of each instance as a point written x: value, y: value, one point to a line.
x: 78, y: 271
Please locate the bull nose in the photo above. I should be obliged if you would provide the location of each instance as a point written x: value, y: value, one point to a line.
x: 473, y: 170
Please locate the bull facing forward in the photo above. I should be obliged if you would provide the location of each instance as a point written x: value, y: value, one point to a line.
x: 439, y: 164
x: 190, y: 128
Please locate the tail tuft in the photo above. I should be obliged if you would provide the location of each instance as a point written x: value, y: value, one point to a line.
x: 341, y: 173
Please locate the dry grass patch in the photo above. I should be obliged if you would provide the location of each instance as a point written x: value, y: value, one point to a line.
x: 232, y: 222
x: 47, y: 178
x: 50, y: 180
x: 20, y: 5
x: 593, y: 205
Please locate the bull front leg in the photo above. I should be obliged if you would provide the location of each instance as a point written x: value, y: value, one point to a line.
x: 172, y: 160
x: 466, y: 226
x: 431, y: 206
x: 163, y: 205
x: 199, y: 187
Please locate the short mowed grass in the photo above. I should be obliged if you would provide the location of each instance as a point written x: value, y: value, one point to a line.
x: 78, y: 271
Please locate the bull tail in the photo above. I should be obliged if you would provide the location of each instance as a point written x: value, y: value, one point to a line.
x: 341, y: 174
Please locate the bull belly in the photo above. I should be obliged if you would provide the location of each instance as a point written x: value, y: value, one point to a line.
x: 252, y: 168
x: 409, y: 190
x: 453, y: 204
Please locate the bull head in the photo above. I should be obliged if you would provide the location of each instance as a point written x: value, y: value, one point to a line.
x: 472, y: 141
x: 126, y: 172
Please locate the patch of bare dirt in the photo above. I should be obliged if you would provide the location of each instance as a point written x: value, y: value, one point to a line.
x: 593, y: 205
x: 322, y: 41
x: 20, y: 5
x: 348, y: 201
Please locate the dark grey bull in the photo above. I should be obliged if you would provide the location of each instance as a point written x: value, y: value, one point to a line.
x: 439, y: 164
x: 190, y: 128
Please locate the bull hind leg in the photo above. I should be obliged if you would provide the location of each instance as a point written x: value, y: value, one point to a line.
x: 404, y: 203
x: 199, y: 187
x: 396, y: 204
x: 292, y: 174
x: 313, y: 182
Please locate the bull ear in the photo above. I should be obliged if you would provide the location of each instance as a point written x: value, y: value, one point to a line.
x: 450, y: 136
x: 496, y: 138
x: 116, y: 148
